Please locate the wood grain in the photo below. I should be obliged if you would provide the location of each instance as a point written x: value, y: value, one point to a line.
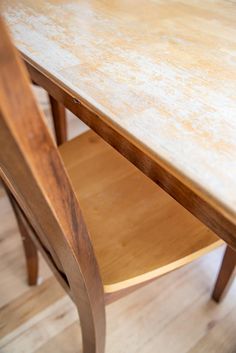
x: 197, y: 205
x: 137, y: 230
x: 29, y: 304
x: 33, y: 170
x: 38, y: 321
x: 173, y: 113
x: 141, y: 321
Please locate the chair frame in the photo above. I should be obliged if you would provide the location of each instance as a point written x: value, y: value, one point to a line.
x: 34, y: 174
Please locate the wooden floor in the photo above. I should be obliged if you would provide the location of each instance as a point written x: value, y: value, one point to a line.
x: 174, y: 314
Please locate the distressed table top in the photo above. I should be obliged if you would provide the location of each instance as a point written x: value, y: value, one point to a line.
x: 162, y: 73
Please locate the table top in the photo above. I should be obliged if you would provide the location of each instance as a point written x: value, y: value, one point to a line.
x: 162, y: 73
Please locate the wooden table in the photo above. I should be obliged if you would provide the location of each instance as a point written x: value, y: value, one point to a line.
x: 156, y: 79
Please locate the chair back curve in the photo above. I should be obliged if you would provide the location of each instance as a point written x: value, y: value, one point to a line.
x: 32, y: 168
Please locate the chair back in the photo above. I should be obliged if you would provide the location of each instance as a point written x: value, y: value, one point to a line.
x: 33, y: 170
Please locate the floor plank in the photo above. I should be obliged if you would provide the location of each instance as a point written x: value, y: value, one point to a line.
x: 29, y: 304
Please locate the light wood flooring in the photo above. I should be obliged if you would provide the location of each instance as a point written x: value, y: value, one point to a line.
x: 174, y: 314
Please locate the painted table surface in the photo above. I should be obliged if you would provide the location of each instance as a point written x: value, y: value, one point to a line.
x: 163, y: 73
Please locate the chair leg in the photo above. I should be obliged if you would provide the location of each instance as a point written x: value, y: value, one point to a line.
x: 59, y: 119
x: 91, y: 310
x: 91, y: 343
x: 31, y: 254
x: 93, y: 329
x: 226, y: 275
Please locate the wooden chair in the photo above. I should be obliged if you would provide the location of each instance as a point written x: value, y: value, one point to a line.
x: 124, y: 233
